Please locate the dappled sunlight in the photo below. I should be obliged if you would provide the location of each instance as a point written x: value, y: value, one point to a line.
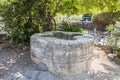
x: 3, y: 67
x: 96, y: 67
x: 100, y: 60
x: 11, y: 61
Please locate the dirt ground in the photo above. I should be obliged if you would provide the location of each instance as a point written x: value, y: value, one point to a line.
x: 104, y: 67
x: 13, y: 60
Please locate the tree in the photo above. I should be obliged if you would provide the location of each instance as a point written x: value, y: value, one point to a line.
x: 18, y: 21
x: 24, y: 17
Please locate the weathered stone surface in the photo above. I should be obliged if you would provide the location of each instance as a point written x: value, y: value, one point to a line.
x: 69, y: 54
x: 41, y: 67
x: 32, y: 74
x: 46, y: 76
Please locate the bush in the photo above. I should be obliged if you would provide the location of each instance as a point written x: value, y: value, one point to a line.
x: 116, y: 50
x: 66, y: 26
x: 104, y: 19
x: 113, y: 39
x: 22, y: 18
x: 18, y: 22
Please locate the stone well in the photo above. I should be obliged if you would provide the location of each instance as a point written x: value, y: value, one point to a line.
x: 65, y: 53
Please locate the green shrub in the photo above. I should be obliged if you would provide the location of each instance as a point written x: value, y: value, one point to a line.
x: 116, y: 48
x: 113, y: 38
x: 19, y: 22
x: 22, y: 18
x: 66, y: 26
x: 104, y: 19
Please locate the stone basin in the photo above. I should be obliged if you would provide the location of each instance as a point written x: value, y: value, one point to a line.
x: 65, y: 53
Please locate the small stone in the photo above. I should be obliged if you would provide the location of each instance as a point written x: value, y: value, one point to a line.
x: 22, y: 78
x: 46, y: 76
x: 111, y: 56
x: 32, y: 74
x: 16, y: 76
x: 117, y: 60
x: 41, y: 67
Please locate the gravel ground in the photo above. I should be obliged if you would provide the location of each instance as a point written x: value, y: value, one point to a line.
x: 13, y: 60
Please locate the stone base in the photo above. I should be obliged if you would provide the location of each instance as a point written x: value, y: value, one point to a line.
x: 64, y: 55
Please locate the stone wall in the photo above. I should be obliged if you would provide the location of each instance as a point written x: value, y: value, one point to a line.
x: 63, y: 57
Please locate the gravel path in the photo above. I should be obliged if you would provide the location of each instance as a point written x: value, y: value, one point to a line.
x: 103, y: 67
x: 13, y: 60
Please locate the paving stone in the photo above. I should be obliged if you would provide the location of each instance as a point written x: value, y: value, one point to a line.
x: 16, y: 76
x: 41, y: 67
x: 46, y: 76
x: 23, y: 78
x: 32, y: 74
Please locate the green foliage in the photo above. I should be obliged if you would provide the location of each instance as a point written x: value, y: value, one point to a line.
x: 22, y: 18
x: 116, y: 48
x: 110, y: 27
x: 66, y: 26
x: 114, y: 37
x: 116, y: 34
x: 97, y: 6
x: 18, y: 21
x: 3, y: 38
x: 116, y: 31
